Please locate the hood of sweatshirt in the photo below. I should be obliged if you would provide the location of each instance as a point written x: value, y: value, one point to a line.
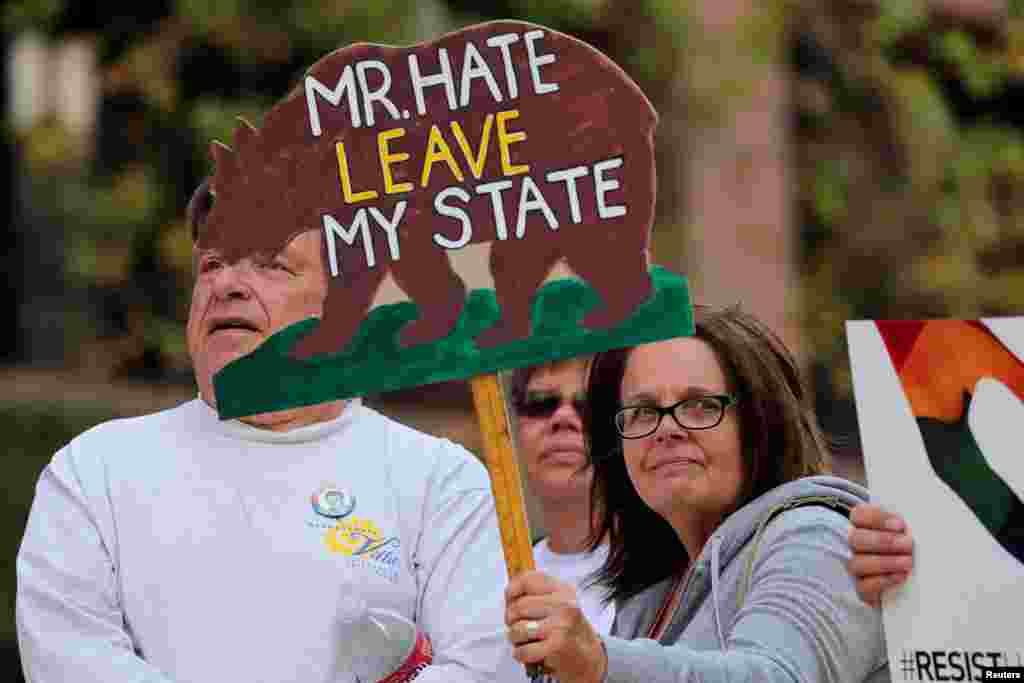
x: 740, y: 529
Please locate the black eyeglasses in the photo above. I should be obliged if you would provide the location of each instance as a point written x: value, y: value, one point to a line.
x: 702, y: 412
x: 545, y: 405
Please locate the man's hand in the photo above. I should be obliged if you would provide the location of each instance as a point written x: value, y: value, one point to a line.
x: 882, y: 551
x: 546, y: 625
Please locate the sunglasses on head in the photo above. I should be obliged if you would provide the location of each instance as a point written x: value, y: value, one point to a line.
x: 545, y: 405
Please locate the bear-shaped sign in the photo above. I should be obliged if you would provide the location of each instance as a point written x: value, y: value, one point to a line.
x: 506, y: 133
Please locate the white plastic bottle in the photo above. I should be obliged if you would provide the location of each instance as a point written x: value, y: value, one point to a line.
x: 381, y: 645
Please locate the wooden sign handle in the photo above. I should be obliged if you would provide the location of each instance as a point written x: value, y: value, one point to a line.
x: 500, y: 459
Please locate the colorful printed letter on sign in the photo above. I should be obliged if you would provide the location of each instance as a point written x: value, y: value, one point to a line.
x: 506, y: 136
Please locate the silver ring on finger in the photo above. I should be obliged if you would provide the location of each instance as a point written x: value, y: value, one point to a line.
x: 532, y: 630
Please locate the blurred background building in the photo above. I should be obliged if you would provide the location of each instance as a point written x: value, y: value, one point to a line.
x: 818, y: 161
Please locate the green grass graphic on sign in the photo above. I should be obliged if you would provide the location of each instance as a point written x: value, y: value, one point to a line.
x: 270, y: 379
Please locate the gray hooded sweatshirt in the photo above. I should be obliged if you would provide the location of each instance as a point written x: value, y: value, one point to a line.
x: 769, y: 599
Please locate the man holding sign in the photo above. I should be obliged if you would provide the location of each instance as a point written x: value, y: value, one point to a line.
x: 179, y: 547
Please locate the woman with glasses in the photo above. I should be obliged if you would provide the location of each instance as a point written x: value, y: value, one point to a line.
x: 547, y: 401
x: 727, y: 543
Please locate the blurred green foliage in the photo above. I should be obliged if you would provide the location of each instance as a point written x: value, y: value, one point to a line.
x: 37, y: 14
x: 253, y: 31
x: 215, y: 118
x: 897, y: 18
x: 916, y: 187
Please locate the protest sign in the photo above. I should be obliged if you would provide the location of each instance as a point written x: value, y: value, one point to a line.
x: 940, y: 405
x: 504, y: 133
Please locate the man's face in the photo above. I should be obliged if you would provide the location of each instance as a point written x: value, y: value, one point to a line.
x: 236, y: 306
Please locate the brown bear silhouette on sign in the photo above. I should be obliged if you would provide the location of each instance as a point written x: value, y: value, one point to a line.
x: 576, y: 109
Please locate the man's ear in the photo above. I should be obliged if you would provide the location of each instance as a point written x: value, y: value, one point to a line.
x: 198, y: 208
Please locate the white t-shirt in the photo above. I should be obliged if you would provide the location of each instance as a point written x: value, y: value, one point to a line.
x: 576, y: 568
x: 179, y: 547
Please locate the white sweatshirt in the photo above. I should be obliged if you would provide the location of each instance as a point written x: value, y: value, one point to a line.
x: 176, y: 547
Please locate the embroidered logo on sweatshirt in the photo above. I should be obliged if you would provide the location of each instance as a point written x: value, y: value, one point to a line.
x: 360, y: 539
